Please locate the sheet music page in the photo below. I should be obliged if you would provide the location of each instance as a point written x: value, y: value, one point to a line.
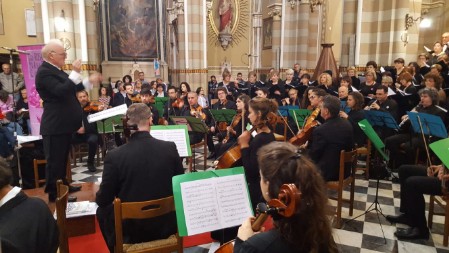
x: 178, y: 136
x: 233, y: 200
x: 391, y: 92
x: 199, y: 199
x: 215, y: 203
x: 107, y: 113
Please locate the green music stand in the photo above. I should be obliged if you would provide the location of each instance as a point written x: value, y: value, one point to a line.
x: 113, y: 124
x: 441, y: 150
x: 299, y: 116
x: 161, y: 100
x: 223, y: 115
x: 160, y: 109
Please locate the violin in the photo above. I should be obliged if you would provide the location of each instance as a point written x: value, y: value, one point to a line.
x: 234, y: 123
x: 233, y: 155
x: 286, y: 204
x: 306, y: 133
x: 197, y: 112
x: 93, y: 107
x: 136, y: 99
x: 178, y: 103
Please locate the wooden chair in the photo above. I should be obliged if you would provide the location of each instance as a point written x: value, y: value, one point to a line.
x: 36, y: 164
x: 81, y: 150
x: 145, y: 210
x: 367, y: 152
x: 38, y: 181
x: 61, y: 207
x: 346, y: 158
x: 442, y: 202
x: 203, y: 144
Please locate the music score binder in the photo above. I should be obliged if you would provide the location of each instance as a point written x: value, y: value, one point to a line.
x: 193, y: 124
x: 211, y: 200
x: 431, y: 125
x: 284, y: 110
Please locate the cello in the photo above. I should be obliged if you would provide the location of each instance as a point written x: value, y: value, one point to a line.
x: 233, y: 155
x: 306, y: 133
x: 286, y: 204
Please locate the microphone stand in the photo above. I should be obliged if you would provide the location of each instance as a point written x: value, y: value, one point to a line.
x: 13, y: 119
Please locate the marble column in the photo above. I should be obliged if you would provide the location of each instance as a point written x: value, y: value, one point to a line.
x: 275, y: 13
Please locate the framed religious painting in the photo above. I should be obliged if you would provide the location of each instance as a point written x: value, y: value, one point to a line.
x: 267, y: 33
x: 132, y: 30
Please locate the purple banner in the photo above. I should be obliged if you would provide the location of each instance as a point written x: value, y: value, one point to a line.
x: 30, y: 63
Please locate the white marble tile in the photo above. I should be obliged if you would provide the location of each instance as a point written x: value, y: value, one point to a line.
x: 78, y: 177
x: 374, y: 229
x: 408, y: 247
x: 348, y: 238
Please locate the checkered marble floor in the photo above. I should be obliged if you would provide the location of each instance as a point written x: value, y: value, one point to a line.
x: 364, y: 234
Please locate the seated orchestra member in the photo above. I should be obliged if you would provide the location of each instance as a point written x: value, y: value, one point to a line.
x: 237, y: 126
x: 402, y: 146
x: 195, y: 110
x: 372, y: 66
x: 104, y: 96
x: 292, y: 99
x: 88, y: 132
x: 356, y: 114
x: 259, y: 117
x: 435, y: 81
x: 7, y: 108
x: 147, y: 98
x: 384, y: 104
x: 223, y: 102
x: 330, y: 138
x: 174, y: 104
x: 140, y: 170
x: 137, y: 87
x: 125, y: 97
x: 309, y: 229
x: 211, y: 86
x: 346, y: 81
x: 26, y: 224
x: 416, y: 180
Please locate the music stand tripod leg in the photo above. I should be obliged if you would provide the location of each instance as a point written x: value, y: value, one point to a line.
x: 375, y: 206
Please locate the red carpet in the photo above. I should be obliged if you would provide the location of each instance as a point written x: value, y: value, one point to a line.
x: 95, y: 242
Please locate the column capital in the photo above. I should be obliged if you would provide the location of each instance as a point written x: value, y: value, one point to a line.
x: 275, y: 11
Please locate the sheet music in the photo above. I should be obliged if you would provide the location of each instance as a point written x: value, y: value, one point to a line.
x: 118, y: 110
x: 391, y: 92
x: 178, y: 136
x: 215, y: 203
x: 354, y: 89
x: 24, y: 139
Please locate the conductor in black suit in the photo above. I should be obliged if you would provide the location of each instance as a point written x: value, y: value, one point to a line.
x: 139, y: 170
x: 62, y: 112
x: 330, y: 139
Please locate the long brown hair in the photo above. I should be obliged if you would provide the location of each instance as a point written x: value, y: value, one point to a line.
x: 264, y: 106
x: 309, y: 229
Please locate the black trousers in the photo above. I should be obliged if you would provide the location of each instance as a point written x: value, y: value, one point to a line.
x: 92, y: 142
x: 414, y: 184
x: 56, y: 149
x: 404, y: 142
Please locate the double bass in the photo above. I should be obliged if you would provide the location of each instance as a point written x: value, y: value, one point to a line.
x: 286, y: 205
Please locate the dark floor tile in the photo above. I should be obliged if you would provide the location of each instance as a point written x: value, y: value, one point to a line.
x: 374, y: 217
x: 396, y: 194
x: 347, y: 249
x: 378, y: 243
x: 382, y: 185
x: 353, y: 225
x: 382, y: 200
x: 361, y: 189
x: 90, y: 179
